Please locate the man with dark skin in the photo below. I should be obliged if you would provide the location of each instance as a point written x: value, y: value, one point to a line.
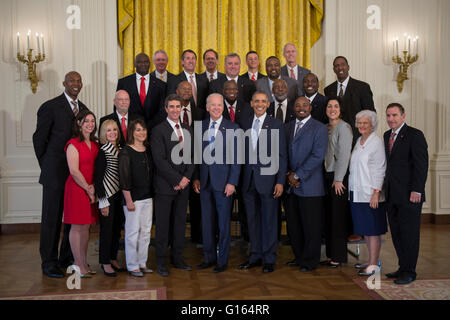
x: 55, y: 119
x: 307, y: 144
x: 318, y: 101
x: 146, y: 92
x: 273, y: 69
x: 282, y: 108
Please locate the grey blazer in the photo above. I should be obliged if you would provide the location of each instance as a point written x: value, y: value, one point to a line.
x: 339, y: 150
x: 301, y: 72
x: 263, y: 85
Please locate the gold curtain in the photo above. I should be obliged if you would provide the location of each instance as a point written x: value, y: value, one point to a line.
x: 224, y: 25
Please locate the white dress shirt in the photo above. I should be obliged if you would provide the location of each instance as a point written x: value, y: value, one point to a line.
x: 172, y: 124
x: 120, y: 118
x: 161, y: 76
x: 218, y: 122
x: 344, y: 86
x: 261, y: 121
x: 188, y: 77
x: 228, y: 106
x: 295, y: 69
x: 69, y: 99
x: 208, y: 75
x: 138, y: 82
x: 367, y: 169
x: 234, y: 79
x: 312, y: 97
x: 284, y: 104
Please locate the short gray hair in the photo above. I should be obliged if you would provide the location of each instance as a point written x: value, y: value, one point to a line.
x: 212, y: 95
x: 232, y: 55
x: 371, y: 115
x: 160, y: 51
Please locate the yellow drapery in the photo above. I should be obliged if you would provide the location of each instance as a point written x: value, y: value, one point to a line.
x: 224, y: 25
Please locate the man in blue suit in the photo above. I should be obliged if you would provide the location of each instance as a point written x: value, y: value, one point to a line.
x: 264, y: 174
x: 217, y: 184
x: 307, y: 141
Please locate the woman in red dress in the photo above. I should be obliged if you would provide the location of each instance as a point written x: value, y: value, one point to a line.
x: 79, y: 193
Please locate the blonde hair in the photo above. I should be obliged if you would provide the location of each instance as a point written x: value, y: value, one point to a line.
x: 104, y: 128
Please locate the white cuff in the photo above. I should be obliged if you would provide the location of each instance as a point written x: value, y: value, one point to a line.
x: 103, y: 203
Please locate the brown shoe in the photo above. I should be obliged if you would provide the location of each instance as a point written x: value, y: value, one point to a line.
x: 354, y: 238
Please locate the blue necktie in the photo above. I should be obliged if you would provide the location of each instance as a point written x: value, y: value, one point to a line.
x: 255, y: 133
x: 212, y: 131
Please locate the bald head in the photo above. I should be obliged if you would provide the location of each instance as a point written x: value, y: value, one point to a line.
x: 72, y: 84
x: 184, y: 90
x: 122, y: 102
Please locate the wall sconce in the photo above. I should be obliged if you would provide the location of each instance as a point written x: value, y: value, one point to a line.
x: 30, y: 62
x: 409, y: 57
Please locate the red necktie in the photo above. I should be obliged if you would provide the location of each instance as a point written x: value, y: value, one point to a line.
x: 391, y: 141
x: 232, y: 113
x: 253, y: 77
x: 292, y: 73
x: 142, y: 91
x: 123, y: 126
x: 211, y: 77
x: 185, y: 117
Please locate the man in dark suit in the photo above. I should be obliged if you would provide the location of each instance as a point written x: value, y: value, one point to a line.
x: 273, y: 69
x: 355, y: 94
x: 252, y: 61
x: 232, y: 68
x: 200, y: 84
x: 55, y: 119
x: 263, y: 183
x: 160, y: 60
x: 406, y: 175
x: 146, y: 92
x: 307, y: 141
x: 121, y: 116
x: 318, y: 101
x: 235, y: 109
x: 189, y: 114
x: 292, y: 69
x: 174, y: 169
x: 217, y: 184
x: 281, y: 108
x: 210, y: 60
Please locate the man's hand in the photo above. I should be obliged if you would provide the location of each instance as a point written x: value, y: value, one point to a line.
x: 196, y: 185
x: 184, y: 183
x: 292, y: 182
x: 105, y: 211
x: 415, y: 197
x: 229, y: 190
x: 278, y: 190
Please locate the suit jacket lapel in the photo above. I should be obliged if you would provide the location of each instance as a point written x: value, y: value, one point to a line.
x: 398, y: 139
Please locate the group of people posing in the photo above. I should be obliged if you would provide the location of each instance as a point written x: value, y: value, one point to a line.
x: 316, y: 156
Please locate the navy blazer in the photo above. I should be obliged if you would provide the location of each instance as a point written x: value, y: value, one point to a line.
x: 307, y: 151
x: 153, y: 103
x: 264, y: 183
x: 220, y: 174
x: 407, y: 165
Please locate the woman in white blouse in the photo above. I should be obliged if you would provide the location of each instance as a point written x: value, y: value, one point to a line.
x: 367, y: 169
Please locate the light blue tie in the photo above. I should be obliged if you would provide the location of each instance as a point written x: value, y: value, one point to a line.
x: 298, y: 127
x: 212, y: 132
x: 255, y: 133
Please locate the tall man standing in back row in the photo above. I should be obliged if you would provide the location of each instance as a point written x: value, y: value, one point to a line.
x: 406, y: 174
x: 292, y: 69
x: 355, y: 94
x: 55, y: 119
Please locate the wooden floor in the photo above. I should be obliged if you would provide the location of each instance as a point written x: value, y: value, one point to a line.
x: 21, y: 273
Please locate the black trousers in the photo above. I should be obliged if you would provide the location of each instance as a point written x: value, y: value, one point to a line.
x: 167, y: 207
x: 110, y: 228
x: 404, y: 222
x: 52, y: 213
x: 337, y: 220
x: 304, y: 225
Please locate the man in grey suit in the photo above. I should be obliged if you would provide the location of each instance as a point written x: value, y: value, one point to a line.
x: 273, y: 69
x: 292, y: 69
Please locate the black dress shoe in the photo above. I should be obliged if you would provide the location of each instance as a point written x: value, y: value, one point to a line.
x: 162, y: 271
x: 306, y: 269
x: 205, y: 265
x: 53, y: 272
x: 404, y: 279
x: 109, y: 274
x: 182, y: 266
x: 333, y: 265
x: 118, y: 269
x: 218, y: 269
x: 393, y: 275
x: 248, y: 265
x: 268, y: 267
x: 292, y: 263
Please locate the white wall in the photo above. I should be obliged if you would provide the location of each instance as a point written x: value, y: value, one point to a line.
x: 90, y: 50
x: 425, y: 95
x: 93, y: 51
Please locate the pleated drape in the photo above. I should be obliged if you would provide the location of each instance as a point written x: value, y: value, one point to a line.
x: 223, y: 25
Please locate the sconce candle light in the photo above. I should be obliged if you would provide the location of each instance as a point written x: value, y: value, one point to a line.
x: 29, y: 61
x: 409, y: 57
